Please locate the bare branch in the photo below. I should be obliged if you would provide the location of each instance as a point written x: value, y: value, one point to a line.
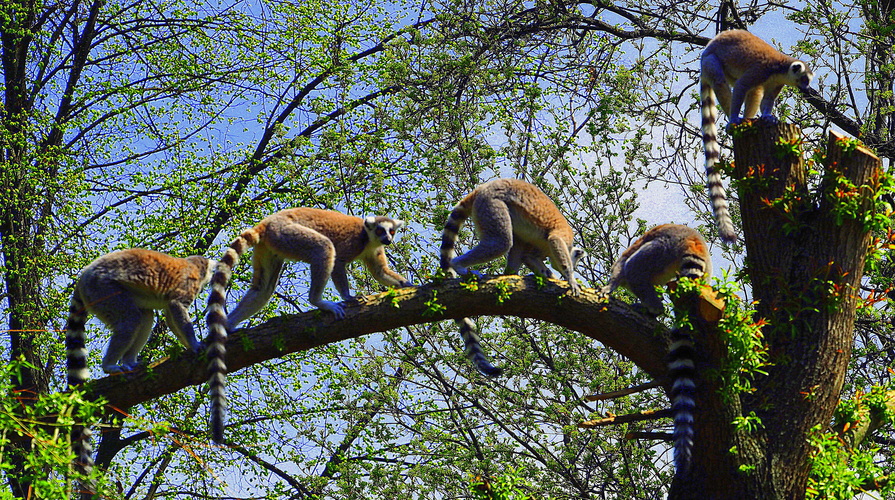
x: 624, y: 392
x: 626, y: 419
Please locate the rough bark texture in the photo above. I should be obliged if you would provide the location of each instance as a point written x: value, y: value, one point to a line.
x: 805, y: 263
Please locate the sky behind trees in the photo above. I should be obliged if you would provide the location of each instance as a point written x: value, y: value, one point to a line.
x: 173, y: 125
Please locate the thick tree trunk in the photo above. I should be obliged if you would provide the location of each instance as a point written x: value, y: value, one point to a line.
x: 805, y: 259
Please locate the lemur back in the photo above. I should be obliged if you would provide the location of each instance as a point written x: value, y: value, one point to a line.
x: 513, y: 218
x: 122, y: 289
x: 659, y: 256
x: 756, y: 73
x: 327, y: 240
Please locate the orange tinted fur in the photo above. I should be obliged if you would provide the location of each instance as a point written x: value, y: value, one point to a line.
x: 737, y: 69
x: 660, y: 255
x: 516, y: 219
x: 507, y: 213
x: 657, y: 257
x: 327, y: 240
x: 123, y: 289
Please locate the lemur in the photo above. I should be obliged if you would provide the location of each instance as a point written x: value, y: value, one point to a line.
x: 122, y: 289
x: 530, y: 255
x: 513, y: 218
x: 756, y: 73
x: 327, y: 240
x: 659, y: 256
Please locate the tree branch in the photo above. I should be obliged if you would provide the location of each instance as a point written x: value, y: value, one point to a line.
x: 614, y: 324
x: 627, y: 419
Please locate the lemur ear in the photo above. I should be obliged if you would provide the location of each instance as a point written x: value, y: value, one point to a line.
x: 370, y: 222
x: 797, y: 68
x: 398, y: 223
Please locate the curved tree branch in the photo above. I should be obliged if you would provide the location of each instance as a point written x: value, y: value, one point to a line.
x: 614, y: 324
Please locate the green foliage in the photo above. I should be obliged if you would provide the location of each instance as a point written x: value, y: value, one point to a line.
x: 747, y: 352
x: 391, y: 295
x: 788, y: 149
x: 503, y: 291
x: 510, y: 485
x: 470, y: 282
x: 790, y: 205
x: 840, y: 472
x: 45, y: 419
x: 857, y: 203
x: 742, y: 128
x: 433, y: 308
x: 748, y: 423
x: 848, y: 144
x: 846, y: 460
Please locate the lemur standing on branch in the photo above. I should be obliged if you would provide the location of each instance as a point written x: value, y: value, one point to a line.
x: 516, y: 219
x: 123, y: 289
x: 327, y: 240
x: 662, y: 254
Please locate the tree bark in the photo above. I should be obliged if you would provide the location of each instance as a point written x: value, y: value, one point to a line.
x: 805, y: 260
x: 613, y: 323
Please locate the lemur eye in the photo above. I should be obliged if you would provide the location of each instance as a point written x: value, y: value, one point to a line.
x: 392, y: 231
x: 380, y: 231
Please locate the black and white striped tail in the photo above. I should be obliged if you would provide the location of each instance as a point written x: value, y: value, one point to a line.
x: 78, y: 373
x: 682, y: 370
x: 217, y: 327
x: 692, y: 266
x: 449, y: 237
x: 717, y: 194
x: 76, y: 342
x: 472, y: 346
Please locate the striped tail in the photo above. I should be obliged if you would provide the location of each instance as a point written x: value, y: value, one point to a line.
x: 717, y: 194
x: 76, y: 341
x: 472, y: 345
x: 473, y: 348
x: 449, y: 236
x: 78, y: 373
x: 693, y: 266
x: 217, y: 326
x: 682, y: 370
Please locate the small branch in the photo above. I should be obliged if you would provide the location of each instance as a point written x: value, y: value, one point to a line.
x: 652, y: 436
x: 354, y: 432
x: 300, y: 488
x: 870, y: 419
x: 624, y: 392
x: 626, y: 419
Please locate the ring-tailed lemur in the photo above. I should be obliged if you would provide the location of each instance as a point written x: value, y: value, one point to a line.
x: 659, y: 256
x: 327, y: 240
x: 513, y: 218
x: 756, y: 73
x: 122, y: 289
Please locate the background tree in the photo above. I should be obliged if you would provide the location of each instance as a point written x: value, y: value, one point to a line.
x: 172, y: 125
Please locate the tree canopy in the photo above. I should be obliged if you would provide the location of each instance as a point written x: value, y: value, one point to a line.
x: 173, y: 125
